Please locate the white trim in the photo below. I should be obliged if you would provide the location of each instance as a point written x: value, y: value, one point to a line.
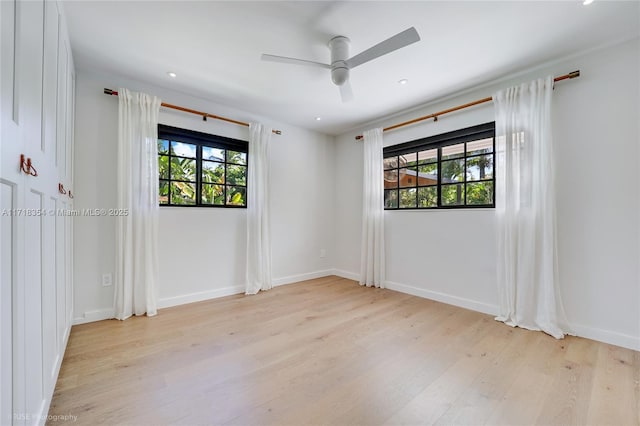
x: 236, y: 289
x: 346, y: 274
x: 183, y: 299
x: 167, y: 302
x: 302, y: 277
x: 605, y: 336
x: 598, y: 334
x: 612, y: 337
x: 462, y: 302
x: 91, y: 316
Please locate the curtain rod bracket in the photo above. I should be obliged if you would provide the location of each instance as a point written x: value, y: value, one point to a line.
x: 204, y: 117
x: 435, y: 118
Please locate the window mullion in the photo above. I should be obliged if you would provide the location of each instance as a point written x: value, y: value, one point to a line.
x: 493, y: 165
x: 198, y: 175
x: 170, y: 186
x: 224, y: 187
x: 464, y: 173
x: 439, y: 191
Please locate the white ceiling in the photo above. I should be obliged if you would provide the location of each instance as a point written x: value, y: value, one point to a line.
x: 215, y: 48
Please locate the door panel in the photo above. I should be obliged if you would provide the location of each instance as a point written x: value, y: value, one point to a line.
x: 61, y: 94
x: 50, y: 81
x: 61, y: 278
x: 29, y: 54
x: 49, y: 327
x: 33, y: 309
x: 8, y: 272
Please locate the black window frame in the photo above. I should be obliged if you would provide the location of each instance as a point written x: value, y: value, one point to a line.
x: 469, y: 134
x: 200, y: 140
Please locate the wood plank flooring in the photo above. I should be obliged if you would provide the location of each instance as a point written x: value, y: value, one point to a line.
x: 330, y: 352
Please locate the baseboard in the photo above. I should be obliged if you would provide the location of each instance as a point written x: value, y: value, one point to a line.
x: 462, y: 302
x: 600, y: 335
x: 168, y: 302
x: 428, y: 294
x: 607, y: 336
x: 91, y: 316
x: 302, y: 277
x: 346, y: 274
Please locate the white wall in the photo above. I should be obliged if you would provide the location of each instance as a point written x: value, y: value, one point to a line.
x: 450, y: 255
x: 202, y: 250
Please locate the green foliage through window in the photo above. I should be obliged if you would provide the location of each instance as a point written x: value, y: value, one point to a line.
x: 443, y: 171
x: 196, y: 169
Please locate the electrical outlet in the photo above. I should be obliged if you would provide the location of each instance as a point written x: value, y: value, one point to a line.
x: 107, y: 280
x: 323, y: 252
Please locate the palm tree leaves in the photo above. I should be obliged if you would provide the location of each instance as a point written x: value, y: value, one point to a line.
x: 222, y: 179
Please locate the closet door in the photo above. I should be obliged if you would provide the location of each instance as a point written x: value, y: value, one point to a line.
x: 11, y: 226
x: 30, y: 31
x: 64, y: 169
x: 25, y: 196
x: 47, y: 153
x: 37, y: 88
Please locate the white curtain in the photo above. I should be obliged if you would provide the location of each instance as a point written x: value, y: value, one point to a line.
x: 372, y: 248
x: 258, y: 222
x: 525, y: 208
x: 137, y: 228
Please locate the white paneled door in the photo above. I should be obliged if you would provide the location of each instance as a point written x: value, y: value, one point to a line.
x: 11, y: 188
x: 35, y: 179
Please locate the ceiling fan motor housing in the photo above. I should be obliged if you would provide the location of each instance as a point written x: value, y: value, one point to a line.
x: 339, y: 54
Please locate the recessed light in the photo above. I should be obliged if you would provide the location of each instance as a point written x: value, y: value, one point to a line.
x: 318, y: 118
x: 405, y: 81
x: 587, y: 2
x: 172, y: 74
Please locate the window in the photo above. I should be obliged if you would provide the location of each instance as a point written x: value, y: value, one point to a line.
x: 452, y: 170
x: 198, y: 169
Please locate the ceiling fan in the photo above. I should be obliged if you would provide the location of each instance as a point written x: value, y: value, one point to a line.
x: 341, y: 63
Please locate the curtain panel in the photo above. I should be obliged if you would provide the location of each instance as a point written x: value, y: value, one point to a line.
x: 137, y: 188
x: 372, y: 272
x: 529, y: 294
x: 258, y: 268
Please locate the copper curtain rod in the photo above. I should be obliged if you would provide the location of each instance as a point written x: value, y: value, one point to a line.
x: 435, y: 115
x: 204, y: 115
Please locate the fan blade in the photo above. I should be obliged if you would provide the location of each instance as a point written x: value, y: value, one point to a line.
x: 396, y: 42
x: 285, y: 60
x: 345, y: 92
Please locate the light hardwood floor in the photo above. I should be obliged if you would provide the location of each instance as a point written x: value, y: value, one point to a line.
x: 328, y: 351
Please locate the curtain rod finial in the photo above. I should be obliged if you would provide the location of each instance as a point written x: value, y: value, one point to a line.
x: 574, y: 74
